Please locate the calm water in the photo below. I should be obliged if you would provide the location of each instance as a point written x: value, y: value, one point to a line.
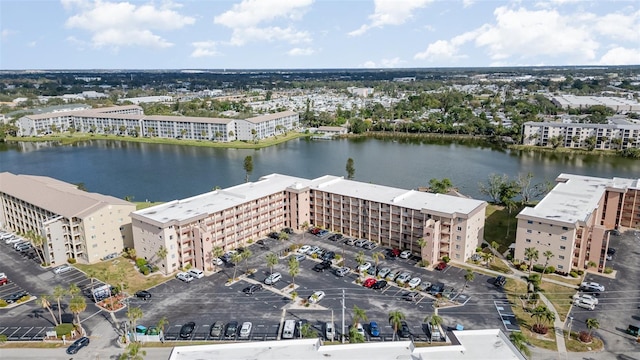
x: 166, y: 172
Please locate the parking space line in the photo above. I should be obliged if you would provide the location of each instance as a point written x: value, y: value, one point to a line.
x: 24, y: 336
x: 18, y: 329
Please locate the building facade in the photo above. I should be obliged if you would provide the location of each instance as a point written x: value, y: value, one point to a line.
x: 573, y: 220
x: 621, y: 135
x: 131, y: 121
x: 191, y: 228
x: 74, y: 224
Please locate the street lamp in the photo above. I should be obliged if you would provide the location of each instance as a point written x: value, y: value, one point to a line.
x: 569, y: 333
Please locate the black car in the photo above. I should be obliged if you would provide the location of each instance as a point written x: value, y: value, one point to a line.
x: 611, y: 251
x: 288, y: 230
x: 143, y: 294
x: 231, y: 330
x: 328, y: 256
x: 77, y: 345
x: 336, y: 237
x: 436, y: 288
x: 15, y: 296
x: 500, y: 281
x: 187, y: 329
x: 274, y: 235
x: 403, y: 330
x: 381, y: 284
x: 322, y: 266
x: 253, y: 288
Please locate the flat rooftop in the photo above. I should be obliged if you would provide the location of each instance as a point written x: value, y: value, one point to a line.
x: 218, y: 200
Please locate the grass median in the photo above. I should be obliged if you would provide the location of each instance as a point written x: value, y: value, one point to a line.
x: 133, y: 280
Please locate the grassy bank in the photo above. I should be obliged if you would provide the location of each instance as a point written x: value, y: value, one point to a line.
x: 69, y: 139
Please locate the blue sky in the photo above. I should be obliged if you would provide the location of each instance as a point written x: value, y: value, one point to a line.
x: 284, y: 34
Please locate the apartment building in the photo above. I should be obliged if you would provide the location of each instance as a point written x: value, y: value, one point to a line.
x: 191, y: 228
x: 75, y: 224
x: 573, y: 219
x: 620, y: 134
x: 130, y: 120
x: 617, y: 104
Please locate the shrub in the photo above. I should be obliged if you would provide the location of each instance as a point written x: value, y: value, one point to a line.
x: 538, y: 268
x: 64, y: 329
x: 446, y: 259
x: 573, y: 274
x: 250, y: 241
x: 338, y: 257
x: 580, y: 272
x: 585, y: 337
x: 540, y: 329
x: 608, y: 270
x: 187, y: 267
x: 549, y: 270
x: 155, y: 268
x: 509, y: 257
x: 145, y: 271
x: 23, y: 299
x: 523, y: 267
x: 140, y: 262
x: 3, y: 338
x: 479, y: 249
x: 71, y: 260
x: 3, y: 303
x: 314, y: 255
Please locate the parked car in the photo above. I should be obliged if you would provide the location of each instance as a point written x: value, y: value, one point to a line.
x: 330, y: 331
x: 424, y: 286
x: 3, y: 279
x: 585, y: 304
x: 77, y: 345
x: 336, y: 237
x: 403, y: 330
x: 384, y: 272
x: 370, y: 245
x: 232, y: 329
x: 300, y: 257
x: 368, y: 283
x: 273, y: 278
x: 448, y: 292
x: 187, y: 329
x: 500, y: 281
x: 374, y: 329
x: 314, y: 250
x: 328, y: 256
x: 591, y: 286
x: 252, y: 289
x: 322, y: 266
x: 316, y: 297
x: 322, y: 233
x: 186, y: 277
x: 216, y: 329
x: 395, y: 252
x: 411, y: 296
x: 15, y: 296
x: 245, y: 330
x: 441, y: 266
x: 143, y: 294
x: 343, y: 271
x: 372, y: 270
x: 350, y: 241
x: 436, y: 288
x: 414, y: 282
x: 360, y: 329
x: 381, y: 284
x: 217, y: 261
x: 228, y: 256
x: 405, y: 254
x: 586, y: 297
x: 392, y: 275
x: 196, y: 273
x: 403, y: 278
x: 360, y: 242
x: 274, y: 235
x: 364, y: 267
x: 304, y: 249
x: 62, y: 269
x: 288, y: 230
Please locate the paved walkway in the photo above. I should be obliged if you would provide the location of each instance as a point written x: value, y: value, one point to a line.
x: 559, y: 329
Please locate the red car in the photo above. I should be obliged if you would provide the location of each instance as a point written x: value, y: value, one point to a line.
x: 369, y: 282
x: 395, y: 252
x: 3, y: 279
x: 441, y: 266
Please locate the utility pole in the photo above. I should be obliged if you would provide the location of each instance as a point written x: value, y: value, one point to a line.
x: 343, y: 307
x: 569, y: 332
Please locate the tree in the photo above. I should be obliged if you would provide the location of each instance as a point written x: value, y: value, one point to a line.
x: 294, y: 269
x: 360, y: 258
x: 58, y: 294
x: 45, y: 302
x: 272, y: 260
x: 235, y: 260
x: 542, y: 315
x: 73, y: 290
x: 354, y: 336
x: 134, y: 314
x: 254, y: 135
x: 246, y: 255
x: 548, y: 255
x: 91, y: 274
x: 531, y: 253
x: 307, y: 332
x: 351, y: 170
x: 305, y: 227
x: 494, y: 186
x: 528, y: 190
x: 592, y: 324
x: 216, y: 253
x: 440, y: 186
x: 434, y: 320
x: 377, y: 256
x: 133, y: 352
x: 162, y: 323
x: 162, y: 253
x: 358, y: 315
x: 38, y: 242
x: 248, y: 167
x: 520, y: 342
x: 77, y: 305
x: 468, y: 277
x: 395, y: 320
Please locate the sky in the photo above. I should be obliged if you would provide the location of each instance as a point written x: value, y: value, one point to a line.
x: 316, y: 34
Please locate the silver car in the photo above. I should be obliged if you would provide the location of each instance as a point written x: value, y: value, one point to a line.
x: 343, y: 271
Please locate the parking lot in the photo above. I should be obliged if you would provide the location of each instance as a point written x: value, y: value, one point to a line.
x: 208, y: 300
x: 619, y: 305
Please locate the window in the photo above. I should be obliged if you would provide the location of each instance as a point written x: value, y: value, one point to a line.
x: 565, y: 228
x: 528, y: 240
x: 458, y: 237
x: 563, y: 247
x: 529, y: 231
x: 561, y: 257
x: 563, y: 237
x: 560, y: 267
x: 459, y: 228
x: 529, y: 221
x: 457, y: 256
x: 457, y: 247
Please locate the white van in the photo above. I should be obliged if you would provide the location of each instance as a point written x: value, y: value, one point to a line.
x: 196, y: 273
x: 330, y: 331
x: 289, y: 329
x: 585, y: 303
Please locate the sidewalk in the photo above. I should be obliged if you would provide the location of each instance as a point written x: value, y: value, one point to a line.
x: 559, y: 328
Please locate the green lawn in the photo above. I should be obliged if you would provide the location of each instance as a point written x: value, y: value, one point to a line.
x: 500, y: 226
x: 560, y: 297
x: 145, y: 204
x: 134, y: 280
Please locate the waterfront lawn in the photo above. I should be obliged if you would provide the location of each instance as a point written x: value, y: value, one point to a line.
x: 145, y: 204
x: 497, y: 222
x: 134, y: 280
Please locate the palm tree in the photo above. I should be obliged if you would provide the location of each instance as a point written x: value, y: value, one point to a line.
x: 162, y: 323
x: 38, y: 242
x: 422, y: 243
x: 134, y: 352
x: 246, y: 254
x: 592, y: 324
x: 307, y: 332
x: 488, y: 258
x: 134, y: 314
x: 360, y: 258
x: 548, y: 255
x: 58, y: 293
x: 294, y: 269
x: 45, y: 302
x: 520, y: 342
x: 468, y: 277
x: 395, y: 320
x: 305, y: 227
x: 77, y: 305
x: 248, y: 166
x: 354, y: 336
x: 235, y: 260
x: 91, y: 274
x: 216, y: 253
x: 542, y: 316
x: 73, y: 290
x: 531, y: 253
x: 377, y: 256
x: 272, y: 260
x: 434, y: 319
x: 358, y: 315
x: 162, y: 253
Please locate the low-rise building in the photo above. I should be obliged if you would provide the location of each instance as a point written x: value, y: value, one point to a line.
x: 74, y: 224
x: 228, y: 218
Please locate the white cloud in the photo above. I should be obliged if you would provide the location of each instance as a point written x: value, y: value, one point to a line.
x: 301, y: 52
x: 246, y: 18
x: 390, y: 12
x: 467, y: 3
x: 621, y: 56
x: 620, y: 26
x: 115, y: 24
x: 443, y: 50
x: 384, y: 63
x: 369, y: 64
x: 32, y: 43
x: 204, y: 49
x: 6, y: 33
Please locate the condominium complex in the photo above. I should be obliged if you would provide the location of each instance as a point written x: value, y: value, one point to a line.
x: 190, y: 228
x: 617, y: 104
x: 573, y: 219
x: 130, y: 120
x: 620, y: 134
x: 74, y: 224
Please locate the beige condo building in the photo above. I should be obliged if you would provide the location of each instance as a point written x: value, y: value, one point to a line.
x: 190, y: 228
x: 75, y: 224
x: 573, y: 220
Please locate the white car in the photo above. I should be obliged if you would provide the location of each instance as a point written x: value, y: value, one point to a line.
x: 273, y: 278
x: 360, y: 329
x: 304, y: 249
x: 316, y: 297
x: 403, y: 278
x: 245, y: 330
x: 186, y: 277
x: 364, y: 267
x: 314, y: 250
x: 343, y: 271
x: 218, y: 262
x: 405, y: 254
x: 591, y: 286
x: 414, y: 282
x: 585, y: 297
x: 382, y: 273
x: 62, y: 269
